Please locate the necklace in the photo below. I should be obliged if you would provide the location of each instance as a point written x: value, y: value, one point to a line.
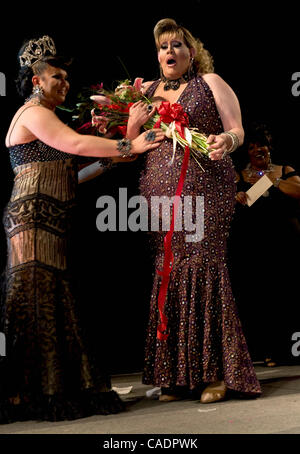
x: 174, y: 84
x: 258, y: 172
x: 37, y: 102
x: 34, y: 99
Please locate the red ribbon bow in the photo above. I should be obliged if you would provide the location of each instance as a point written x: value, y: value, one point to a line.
x: 168, y: 114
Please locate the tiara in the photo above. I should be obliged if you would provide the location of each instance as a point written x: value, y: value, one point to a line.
x: 36, y: 50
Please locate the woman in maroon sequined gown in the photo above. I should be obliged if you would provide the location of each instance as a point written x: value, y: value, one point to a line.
x: 206, y: 344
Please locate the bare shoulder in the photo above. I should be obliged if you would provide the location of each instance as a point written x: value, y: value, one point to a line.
x: 36, y: 114
x: 30, y: 111
x: 214, y: 80
x: 19, y: 130
x: 211, y: 77
x: 221, y: 90
x: 36, y: 110
x: 288, y: 169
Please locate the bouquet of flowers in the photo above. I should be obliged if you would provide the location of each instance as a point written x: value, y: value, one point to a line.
x: 107, y: 112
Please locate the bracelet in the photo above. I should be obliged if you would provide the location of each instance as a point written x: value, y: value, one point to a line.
x: 277, y: 182
x: 105, y: 163
x: 124, y: 147
x: 235, y: 141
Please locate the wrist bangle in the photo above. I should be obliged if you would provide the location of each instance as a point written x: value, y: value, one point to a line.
x: 124, y: 147
x: 277, y: 182
x: 235, y: 141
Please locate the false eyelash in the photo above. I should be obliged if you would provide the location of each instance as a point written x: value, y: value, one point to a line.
x: 176, y: 44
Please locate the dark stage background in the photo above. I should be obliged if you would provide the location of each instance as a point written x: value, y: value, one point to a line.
x: 256, y: 50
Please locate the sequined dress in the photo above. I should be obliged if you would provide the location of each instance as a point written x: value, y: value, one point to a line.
x: 205, y: 342
x: 46, y: 373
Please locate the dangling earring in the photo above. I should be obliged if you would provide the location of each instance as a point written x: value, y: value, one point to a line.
x: 37, y: 91
x: 35, y: 97
x: 270, y: 165
x: 191, y: 71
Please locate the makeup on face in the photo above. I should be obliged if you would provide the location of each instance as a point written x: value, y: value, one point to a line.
x: 174, y: 56
x: 55, y: 84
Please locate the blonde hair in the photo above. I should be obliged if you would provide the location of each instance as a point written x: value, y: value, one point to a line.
x: 203, y: 60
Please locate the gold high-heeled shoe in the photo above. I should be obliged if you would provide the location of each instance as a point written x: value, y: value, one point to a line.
x: 169, y: 398
x: 172, y: 394
x: 269, y: 362
x: 214, y: 392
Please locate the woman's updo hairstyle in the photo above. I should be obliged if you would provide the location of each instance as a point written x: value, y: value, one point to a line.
x: 24, y: 78
x: 259, y: 133
x: 203, y: 61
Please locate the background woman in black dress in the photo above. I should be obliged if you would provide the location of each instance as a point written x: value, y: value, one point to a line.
x: 264, y: 247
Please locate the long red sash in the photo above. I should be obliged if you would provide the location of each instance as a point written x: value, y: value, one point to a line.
x: 168, y: 254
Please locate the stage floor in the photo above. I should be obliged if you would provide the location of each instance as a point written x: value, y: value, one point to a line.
x: 276, y: 412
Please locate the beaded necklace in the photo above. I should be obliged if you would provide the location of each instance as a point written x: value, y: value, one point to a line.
x: 256, y: 172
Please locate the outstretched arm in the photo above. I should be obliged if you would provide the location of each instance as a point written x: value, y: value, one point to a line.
x: 46, y: 126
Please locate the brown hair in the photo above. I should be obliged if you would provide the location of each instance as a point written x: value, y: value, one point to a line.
x: 203, y: 60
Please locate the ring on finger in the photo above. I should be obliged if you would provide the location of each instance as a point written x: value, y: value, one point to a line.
x: 150, y: 136
x: 149, y: 108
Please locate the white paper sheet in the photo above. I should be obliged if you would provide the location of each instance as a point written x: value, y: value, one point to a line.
x: 258, y: 189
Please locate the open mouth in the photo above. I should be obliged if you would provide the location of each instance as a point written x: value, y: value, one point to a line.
x: 171, y: 61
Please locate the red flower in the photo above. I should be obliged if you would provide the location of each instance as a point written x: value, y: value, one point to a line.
x: 85, y: 126
x: 127, y: 107
x: 122, y: 130
x: 114, y: 107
